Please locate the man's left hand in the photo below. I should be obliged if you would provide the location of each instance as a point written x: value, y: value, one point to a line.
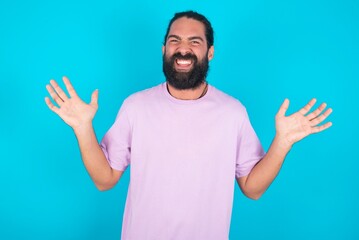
x: 293, y: 128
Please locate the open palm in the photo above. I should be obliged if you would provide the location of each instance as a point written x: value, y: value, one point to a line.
x: 72, y: 110
x: 297, y: 126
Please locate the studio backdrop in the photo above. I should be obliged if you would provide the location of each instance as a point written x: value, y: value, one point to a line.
x: 265, y: 51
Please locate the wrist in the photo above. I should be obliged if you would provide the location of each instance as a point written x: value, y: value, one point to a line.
x: 282, y: 142
x: 83, y: 128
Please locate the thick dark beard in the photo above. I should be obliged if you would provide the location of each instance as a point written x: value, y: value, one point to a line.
x: 185, y: 80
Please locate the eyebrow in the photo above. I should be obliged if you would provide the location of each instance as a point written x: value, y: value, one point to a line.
x: 190, y: 38
x: 196, y: 38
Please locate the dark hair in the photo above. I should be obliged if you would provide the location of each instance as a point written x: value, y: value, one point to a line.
x: 195, y: 16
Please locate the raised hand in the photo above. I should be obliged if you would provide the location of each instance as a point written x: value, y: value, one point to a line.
x: 297, y: 126
x: 72, y: 110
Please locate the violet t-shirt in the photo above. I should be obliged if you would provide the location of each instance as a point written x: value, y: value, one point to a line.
x: 185, y: 156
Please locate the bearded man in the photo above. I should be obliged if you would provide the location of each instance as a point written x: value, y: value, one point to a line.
x: 186, y: 142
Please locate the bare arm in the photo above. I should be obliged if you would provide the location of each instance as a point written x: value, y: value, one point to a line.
x: 79, y: 115
x: 94, y: 159
x: 289, y: 130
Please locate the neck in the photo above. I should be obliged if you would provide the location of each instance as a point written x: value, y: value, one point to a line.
x: 188, y: 94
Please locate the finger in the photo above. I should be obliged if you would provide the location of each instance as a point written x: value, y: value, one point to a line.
x: 94, y: 98
x: 321, y: 118
x: 322, y: 127
x: 283, y: 108
x: 51, y: 105
x: 69, y: 87
x: 58, y: 90
x: 54, y: 95
x: 307, y: 107
x: 317, y: 112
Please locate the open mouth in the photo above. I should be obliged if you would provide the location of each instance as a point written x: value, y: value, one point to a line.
x: 183, y: 64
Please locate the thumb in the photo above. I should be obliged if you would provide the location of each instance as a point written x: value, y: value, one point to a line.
x: 94, y: 98
x: 283, y: 108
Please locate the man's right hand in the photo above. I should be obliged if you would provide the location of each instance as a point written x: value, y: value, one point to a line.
x: 79, y: 115
x: 75, y: 112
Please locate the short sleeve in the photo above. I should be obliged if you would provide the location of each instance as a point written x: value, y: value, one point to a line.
x: 249, y: 148
x: 116, y: 144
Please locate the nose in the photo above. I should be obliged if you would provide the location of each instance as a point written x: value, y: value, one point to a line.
x: 184, y: 51
x: 184, y: 48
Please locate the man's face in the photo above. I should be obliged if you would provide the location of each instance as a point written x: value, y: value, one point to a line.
x: 185, y: 54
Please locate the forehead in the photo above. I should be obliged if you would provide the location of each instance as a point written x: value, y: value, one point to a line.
x: 187, y: 27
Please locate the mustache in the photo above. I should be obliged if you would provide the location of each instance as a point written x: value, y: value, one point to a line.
x: 187, y: 56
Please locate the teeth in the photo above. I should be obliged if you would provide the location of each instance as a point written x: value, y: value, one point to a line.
x: 184, y: 62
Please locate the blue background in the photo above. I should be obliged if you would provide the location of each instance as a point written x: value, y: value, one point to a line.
x: 265, y: 51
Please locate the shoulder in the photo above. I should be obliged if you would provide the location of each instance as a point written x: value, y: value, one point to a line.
x: 227, y: 101
x: 142, y: 97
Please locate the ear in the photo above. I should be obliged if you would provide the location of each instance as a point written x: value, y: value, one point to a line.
x: 210, y: 53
